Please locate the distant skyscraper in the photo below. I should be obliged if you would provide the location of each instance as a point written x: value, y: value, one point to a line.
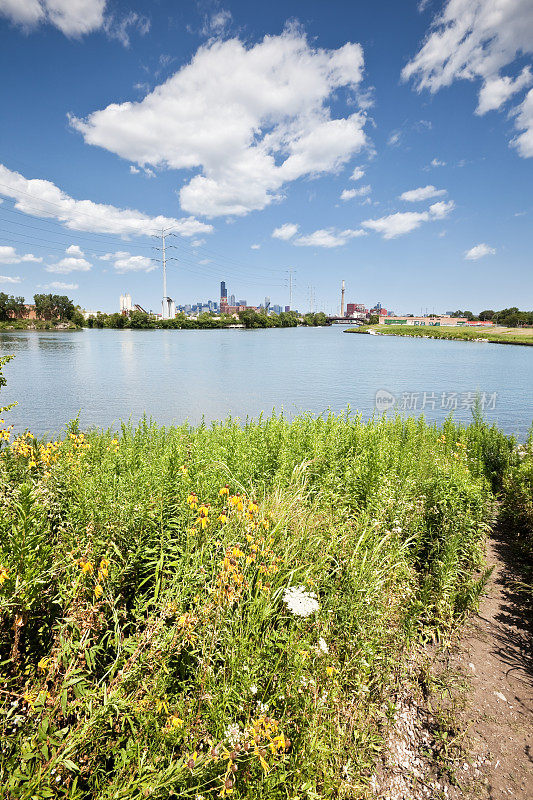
x: 223, y: 291
x: 267, y: 303
x: 232, y: 300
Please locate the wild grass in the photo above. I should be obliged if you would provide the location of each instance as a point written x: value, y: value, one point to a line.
x: 511, y: 336
x: 147, y: 643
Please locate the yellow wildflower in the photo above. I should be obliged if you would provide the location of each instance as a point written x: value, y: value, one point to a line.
x: 4, y: 574
x: 223, y: 491
x: 98, y: 591
x: 222, y: 519
x: 86, y: 567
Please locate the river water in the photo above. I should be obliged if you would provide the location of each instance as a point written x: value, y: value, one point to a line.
x: 109, y: 375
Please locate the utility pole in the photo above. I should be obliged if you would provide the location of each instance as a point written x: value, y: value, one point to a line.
x: 164, y: 265
x: 342, y: 299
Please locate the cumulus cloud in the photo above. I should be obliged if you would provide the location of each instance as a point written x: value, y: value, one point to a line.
x: 73, y: 17
x: 475, y: 40
x: 41, y: 198
x: 74, y: 261
x: 422, y: 193
x: 8, y: 255
x: 247, y: 119
x: 327, y: 237
x: 123, y: 261
x: 478, y: 251
x: 435, y: 162
x: 9, y: 279
x: 401, y: 223
x: 255, y: 247
x: 357, y: 174
x: 285, y: 231
x: 349, y: 194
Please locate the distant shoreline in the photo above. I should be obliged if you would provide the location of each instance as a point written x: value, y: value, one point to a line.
x: 516, y: 336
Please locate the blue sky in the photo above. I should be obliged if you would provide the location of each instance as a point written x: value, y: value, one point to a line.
x: 388, y: 144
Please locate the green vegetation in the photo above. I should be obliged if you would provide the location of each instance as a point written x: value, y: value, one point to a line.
x: 507, y: 317
x: 463, y: 334
x: 198, y: 612
x: 249, y: 318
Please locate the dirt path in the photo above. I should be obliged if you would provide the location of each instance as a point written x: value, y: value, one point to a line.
x: 496, y: 653
x: 470, y: 736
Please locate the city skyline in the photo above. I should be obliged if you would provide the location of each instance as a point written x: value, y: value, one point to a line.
x: 357, y: 152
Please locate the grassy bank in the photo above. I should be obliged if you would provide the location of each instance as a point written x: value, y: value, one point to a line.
x: 227, y: 610
x: 496, y: 335
x: 36, y: 325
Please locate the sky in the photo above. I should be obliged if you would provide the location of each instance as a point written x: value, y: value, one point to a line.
x: 388, y: 144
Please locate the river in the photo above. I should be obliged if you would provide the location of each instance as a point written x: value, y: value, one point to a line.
x: 109, y: 375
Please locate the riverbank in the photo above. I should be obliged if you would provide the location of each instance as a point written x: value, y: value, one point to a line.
x: 496, y: 335
x: 200, y: 611
x: 37, y: 325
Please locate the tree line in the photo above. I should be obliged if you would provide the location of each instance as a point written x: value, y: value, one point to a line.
x: 507, y: 317
x: 249, y: 318
x: 48, y: 307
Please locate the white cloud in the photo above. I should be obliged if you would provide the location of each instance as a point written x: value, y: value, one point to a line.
x: 134, y: 170
x: 435, y: 162
x: 478, y: 251
x: 327, y: 237
x: 524, y: 119
x: 120, y: 27
x: 75, y: 250
x: 285, y: 231
x: 73, y: 17
x: 496, y: 91
x: 250, y: 119
x: 349, y: 194
x: 357, y: 174
x: 123, y: 261
x: 255, y: 247
x: 401, y: 223
x: 441, y: 209
x: 9, y: 279
x: 394, y: 139
x: 61, y: 285
x: 216, y: 23
x: 41, y: 198
x: 422, y: 193
x: 8, y: 255
x: 476, y: 40
x: 74, y: 261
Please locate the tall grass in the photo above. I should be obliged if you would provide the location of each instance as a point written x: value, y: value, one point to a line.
x: 147, y: 643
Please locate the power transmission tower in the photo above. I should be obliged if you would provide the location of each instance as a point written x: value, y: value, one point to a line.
x: 291, y: 272
x: 165, y: 303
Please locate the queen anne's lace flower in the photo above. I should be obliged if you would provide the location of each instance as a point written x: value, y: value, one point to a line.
x: 233, y: 734
x: 300, y: 602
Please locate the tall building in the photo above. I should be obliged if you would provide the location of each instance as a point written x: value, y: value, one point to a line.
x: 267, y: 304
x: 168, y: 308
x: 125, y: 304
x: 223, y: 291
x: 232, y: 300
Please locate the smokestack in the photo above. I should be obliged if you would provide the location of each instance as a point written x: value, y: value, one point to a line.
x: 342, y: 300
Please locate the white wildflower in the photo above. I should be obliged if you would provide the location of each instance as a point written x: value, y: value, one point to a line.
x: 233, y: 734
x: 263, y: 707
x: 323, y: 645
x: 253, y: 689
x: 300, y: 602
